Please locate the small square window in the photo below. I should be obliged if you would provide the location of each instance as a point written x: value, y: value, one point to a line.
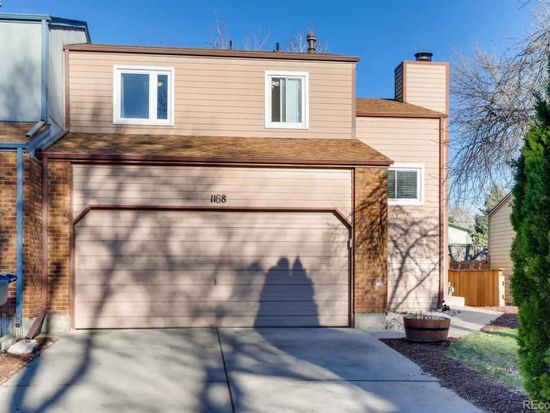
x: 143, y: 96
x: 286, y: 100
x: 405, y: 184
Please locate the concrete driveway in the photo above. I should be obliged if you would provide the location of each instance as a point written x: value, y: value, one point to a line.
x: 225, y: 370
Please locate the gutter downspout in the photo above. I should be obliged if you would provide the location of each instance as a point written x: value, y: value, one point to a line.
x: 44, y: 78
x: 19, y: 230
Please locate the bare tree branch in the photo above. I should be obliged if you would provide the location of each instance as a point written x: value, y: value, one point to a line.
x: 493, y: 108
x: 256, y: 41
x: 219, y: 39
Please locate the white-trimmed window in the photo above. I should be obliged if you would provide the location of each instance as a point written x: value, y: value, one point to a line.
x: 406, y: 184
x: 143, y: 95
x: 286, y: 100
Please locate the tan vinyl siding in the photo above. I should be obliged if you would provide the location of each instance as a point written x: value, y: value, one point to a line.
x: 193, y: 186
x: 426, y: 85
x: 413, y: 267
x: 501, y: 236
x: 213, y: 96
x: 210, y: 268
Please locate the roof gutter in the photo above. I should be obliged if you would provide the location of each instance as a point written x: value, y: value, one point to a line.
x: 32, y: 131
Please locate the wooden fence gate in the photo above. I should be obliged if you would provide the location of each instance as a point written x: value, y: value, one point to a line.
x: 480, y: 288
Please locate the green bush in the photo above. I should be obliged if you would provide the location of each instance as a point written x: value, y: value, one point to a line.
x: 531, y: 254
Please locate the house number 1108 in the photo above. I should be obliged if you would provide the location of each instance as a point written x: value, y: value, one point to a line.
x: 218, y: 198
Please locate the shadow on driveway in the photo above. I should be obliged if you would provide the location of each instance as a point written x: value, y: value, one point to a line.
x: 182, y: 370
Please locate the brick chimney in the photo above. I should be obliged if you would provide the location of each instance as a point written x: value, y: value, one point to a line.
x: 423, y: 82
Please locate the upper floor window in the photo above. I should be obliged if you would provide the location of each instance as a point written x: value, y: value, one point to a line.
x: 286, y: 100
x: 143, y: 96
x: 405, y: 184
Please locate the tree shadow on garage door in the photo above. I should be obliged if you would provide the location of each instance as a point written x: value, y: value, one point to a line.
x: 294, y: 303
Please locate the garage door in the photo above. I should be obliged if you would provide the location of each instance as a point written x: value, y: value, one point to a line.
x: 143, y: 268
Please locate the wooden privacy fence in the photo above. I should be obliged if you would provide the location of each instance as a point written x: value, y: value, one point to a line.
x: 469, y: 265
x: 480, y: 288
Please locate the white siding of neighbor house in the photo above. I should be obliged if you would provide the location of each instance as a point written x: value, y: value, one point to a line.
x: 459, y: 236
x: 20, y: 62
x: 56, y: 96
x: 413, y: 279
x: 213, y: 96
x: 501, y: 236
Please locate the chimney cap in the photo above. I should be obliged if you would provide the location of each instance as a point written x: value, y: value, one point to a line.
x: 423, y: 56
x: 311, y: 40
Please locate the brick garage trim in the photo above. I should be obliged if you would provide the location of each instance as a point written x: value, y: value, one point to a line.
x: 370, y: 240
x: 32, y: 249
x: 59, y: 237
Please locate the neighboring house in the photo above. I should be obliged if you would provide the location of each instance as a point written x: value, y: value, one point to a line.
x: 31, y: 115
x: 32, y: 71
x: 207, y: 187
x: 501, y: 237
x: 459, y: 235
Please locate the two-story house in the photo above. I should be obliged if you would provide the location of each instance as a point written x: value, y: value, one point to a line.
x: 201, y: 187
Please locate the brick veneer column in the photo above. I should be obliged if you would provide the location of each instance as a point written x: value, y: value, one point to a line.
x: 371, y: 240
x: 32, y: 221
x: 59, y: 230
x: 8, y: 213
x: 32, y: 229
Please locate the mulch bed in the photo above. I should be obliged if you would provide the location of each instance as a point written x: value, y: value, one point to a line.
x: 467, y: 383
x: 507, y: 320
x: 10, y: 364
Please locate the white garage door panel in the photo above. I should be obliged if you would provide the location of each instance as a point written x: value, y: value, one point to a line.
x: 206, y: 309
x: 197, y: 292
x: 210, y: 268
x: 228, y: 321
x: 214, y: 276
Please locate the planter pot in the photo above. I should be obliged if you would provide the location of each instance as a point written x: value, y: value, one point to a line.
x: 426, y: 328
x: 5, y: 279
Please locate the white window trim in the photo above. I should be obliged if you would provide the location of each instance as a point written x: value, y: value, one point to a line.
x: 419, y: 167
x: 304, y: 76
x: 118, y: 70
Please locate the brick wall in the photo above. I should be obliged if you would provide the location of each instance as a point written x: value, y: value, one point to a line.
x: 8, y: 171
x: 59, y: 232
x: 371, y: 240
x: 32, y: 254
x: 32, y: 250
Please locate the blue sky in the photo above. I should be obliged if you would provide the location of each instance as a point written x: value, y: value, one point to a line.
x: 381, y: 33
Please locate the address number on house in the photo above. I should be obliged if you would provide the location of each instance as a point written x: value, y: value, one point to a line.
x: 218, y: 198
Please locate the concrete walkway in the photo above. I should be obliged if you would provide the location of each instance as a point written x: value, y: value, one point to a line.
x: 469, y: 320
x: 226, y: 370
